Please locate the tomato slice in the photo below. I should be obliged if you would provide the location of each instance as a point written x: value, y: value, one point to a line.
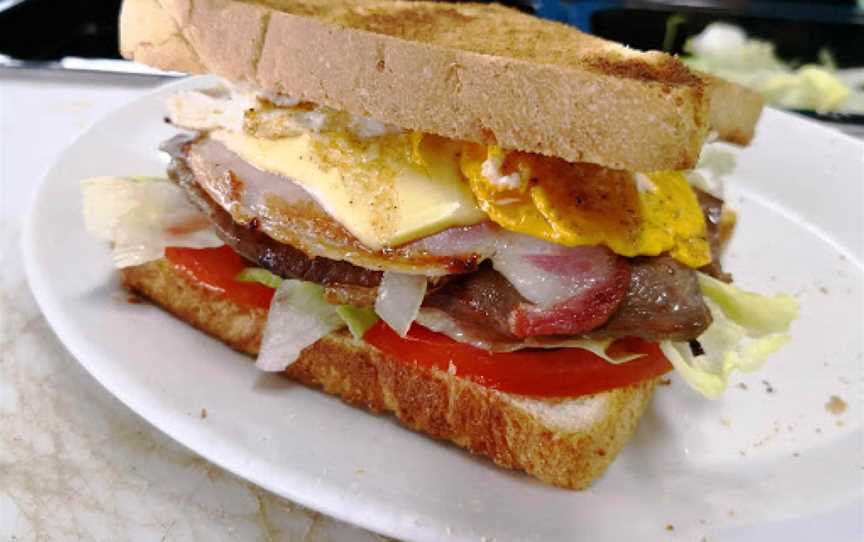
x: 563, y: 372
x: 215, y: 269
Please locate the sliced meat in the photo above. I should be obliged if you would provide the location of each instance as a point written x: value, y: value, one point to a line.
x: 279, y: 258
x: 712, y: 208
x: 537, y: 290
x: 663, y: 302
x: 574, y: 315
x: 569, y: 290
x: 600, y: 290
x: 481, y: 302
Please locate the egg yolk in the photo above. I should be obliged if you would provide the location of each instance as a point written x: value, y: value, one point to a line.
x: 584, y: 204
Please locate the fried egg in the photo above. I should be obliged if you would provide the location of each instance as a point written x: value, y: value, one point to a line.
x: 583, y: 204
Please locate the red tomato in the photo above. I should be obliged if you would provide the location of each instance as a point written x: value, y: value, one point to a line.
x: 563, y: 372
x: 215, y: 268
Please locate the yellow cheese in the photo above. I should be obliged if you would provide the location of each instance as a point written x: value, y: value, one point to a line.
x: 375, y: 188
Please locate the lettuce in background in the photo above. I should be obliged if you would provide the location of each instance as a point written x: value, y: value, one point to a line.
x: 726, y: 51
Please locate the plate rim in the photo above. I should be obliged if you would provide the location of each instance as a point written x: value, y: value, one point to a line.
x: 373, y: 518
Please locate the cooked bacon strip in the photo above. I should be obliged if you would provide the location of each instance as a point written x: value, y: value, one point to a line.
x: 589, y: 309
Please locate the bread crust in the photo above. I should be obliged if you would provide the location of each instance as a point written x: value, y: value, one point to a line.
x: 476, y: 72
x: 568, y: 443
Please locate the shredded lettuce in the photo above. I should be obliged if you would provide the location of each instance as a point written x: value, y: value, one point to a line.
x: 399, y: 299
x: 599, y: 347
x: 259, y: 275
x: 760, y: 314
x: 357, y: 319
x: 141, y: 216
x: 726, y: 50
x: 746, y: 330
x: 299, y: 316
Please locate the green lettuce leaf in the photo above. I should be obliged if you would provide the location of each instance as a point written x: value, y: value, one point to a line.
x: 141, y: 216
x: 598, y: 348
x: 358, y: 320
x: 726, y: 51
x: 746, y: 330
x: 758, y: 313
x: 259, y: 275
x: 299, y: 316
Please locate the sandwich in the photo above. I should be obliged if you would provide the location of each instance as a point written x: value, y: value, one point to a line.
x: 481, y: 222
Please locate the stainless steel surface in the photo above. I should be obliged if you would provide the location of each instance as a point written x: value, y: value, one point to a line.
x: 9, y: 4
x: 97, y: 65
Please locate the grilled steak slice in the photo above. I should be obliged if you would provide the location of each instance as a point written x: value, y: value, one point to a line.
x: 481, y: 302
x: 663, y: 302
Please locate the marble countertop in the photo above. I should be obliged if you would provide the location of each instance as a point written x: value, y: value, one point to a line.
x: 76, y: 464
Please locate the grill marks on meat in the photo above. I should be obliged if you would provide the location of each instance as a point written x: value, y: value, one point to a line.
x: 279, y: 258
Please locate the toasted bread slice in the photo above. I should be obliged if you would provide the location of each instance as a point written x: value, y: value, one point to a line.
x: 476, y: 72
x: 568, y: 443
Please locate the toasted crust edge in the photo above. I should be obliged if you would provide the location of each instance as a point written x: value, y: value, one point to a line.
x: 579, y: 114
x: 515, y: 432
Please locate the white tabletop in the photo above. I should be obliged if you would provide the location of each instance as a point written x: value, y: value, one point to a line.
x: 76, y: 464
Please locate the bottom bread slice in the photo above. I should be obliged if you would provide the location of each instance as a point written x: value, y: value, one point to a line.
x: 568, y: 443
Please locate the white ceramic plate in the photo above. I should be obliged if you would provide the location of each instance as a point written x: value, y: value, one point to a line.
x: 762, y: 462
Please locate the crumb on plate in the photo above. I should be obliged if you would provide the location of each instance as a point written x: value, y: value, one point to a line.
x: 836, y: 405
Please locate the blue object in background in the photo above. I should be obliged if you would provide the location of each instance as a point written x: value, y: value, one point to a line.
x: 579, y: 13
x: 798, y: 29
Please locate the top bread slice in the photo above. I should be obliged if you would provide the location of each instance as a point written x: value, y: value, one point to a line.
x: 476, y: 72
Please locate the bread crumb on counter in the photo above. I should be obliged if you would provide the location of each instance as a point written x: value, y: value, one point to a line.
x: 836, y: 405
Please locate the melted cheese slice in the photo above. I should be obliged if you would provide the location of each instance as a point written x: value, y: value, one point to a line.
x: 373, y: 188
